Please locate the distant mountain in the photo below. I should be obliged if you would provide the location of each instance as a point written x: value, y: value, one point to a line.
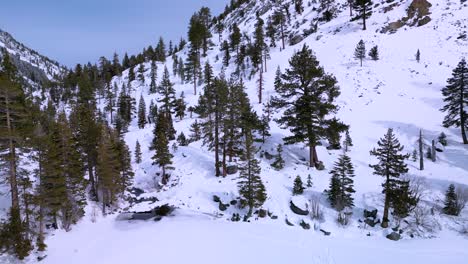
x: 36, y: 69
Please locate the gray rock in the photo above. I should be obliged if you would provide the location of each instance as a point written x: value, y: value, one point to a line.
x: 289, y: 223
x: 216, y: 199
x: 268, y: 156
x: 326, y: 233
x: 297, y: 210
x: 232, y: 169
x: 223, y: 207
x: 394, y: 236
x: 304, y: 225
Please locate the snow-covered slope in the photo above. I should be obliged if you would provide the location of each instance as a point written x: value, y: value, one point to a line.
x: 394, y: 92
x: 34, y: 67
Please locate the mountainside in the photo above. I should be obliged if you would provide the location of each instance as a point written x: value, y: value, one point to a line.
x: 398, y: 91
x: 35, y: 68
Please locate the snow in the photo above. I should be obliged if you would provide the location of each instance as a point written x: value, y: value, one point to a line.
x: 394, y: 92
x: 193, y: 238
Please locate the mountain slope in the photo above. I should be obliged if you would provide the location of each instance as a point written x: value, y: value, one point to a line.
x: 394, y: 92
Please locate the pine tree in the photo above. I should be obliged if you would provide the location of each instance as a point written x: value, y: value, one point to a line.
x: 251, y: 188
x: 278, y: 164
x: 131, y: 74
x: 456, y: 99
x: 341, y: 184
x: 235, y: 38
x: 298, y: 187
x: 166, y: 89
x: 226, y: 53
x: 182, y: 140
x: 391, y: 165
x: 306, y: 102
x: 196, y: 131
x: 348, y: 142
x: 451, y: 201
x: 141, y: 73
x: 442, y: 139
x: 360, y: 51
x: 363, y: 9
x: 418, y: 56
x: 162, y: 157
x: 154, y: 77
x: 180, y: 107
x: 374, y: 53
x: 309, y: 183
x: 414, y: 155
x: 142, y: 113
x: 160, y: 51
x: 298, y: 6
x: 138, y: 153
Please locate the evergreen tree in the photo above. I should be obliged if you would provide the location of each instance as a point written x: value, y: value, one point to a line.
x: 363, y: 9
x: 341, y: 184
x: 251, y: 189
x: 160, y: 51
x: 278, y: 164
x: 131, y: 74
x: 309, y: 181
x: 154, y: 77
x: 180, y: 107
x: 166, y: 89
x: 307, y: 93
x: 141, y: 73
x: 360, y: 51
x: 226, y: 53
x: 391, y: 165
x: 374, y: 53
x: 451, y: 202
x: 414, y: 155
x: 196, y: 131
x: 162, y: 156
x: 107, y: 169
x: 125, y: 62
x: 142, y: 113
x: 235, y: 38
x: 348, y: 142
x: 418, y: 56
x: 298, y: 6
x: 182, y: 140
x: 298, y: 187
x: 138, y: 152
x: 333, y: 131
x: 456, y: 99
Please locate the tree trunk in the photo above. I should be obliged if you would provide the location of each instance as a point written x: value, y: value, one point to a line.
x: 12, y: 157
x: 92, y: 181
x: 260, y: 86
x: 224, y: 157
x: 387, y: 204
x: 462, y: 111
x: 433, y: 151
x: 421, y: 155
x: 217, y: 171
x: 364, y: 19
x: 282, y: 32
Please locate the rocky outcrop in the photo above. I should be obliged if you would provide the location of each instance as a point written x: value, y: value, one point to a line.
x: 417, y: 15
x: 298, y: 210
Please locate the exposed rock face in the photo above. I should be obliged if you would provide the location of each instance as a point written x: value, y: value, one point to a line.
x: 417, y: 15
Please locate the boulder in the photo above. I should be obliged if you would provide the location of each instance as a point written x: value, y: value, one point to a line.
x: 222, y: 206
x: 319, y: 166
x: 370, y: 214
x: 371, y: 222
x: 269, y: 156
x: 439, y: 147
x: 394, y: 236
x: 262, y: 213
x: 233, y: 202
x: 289, y: 223
x: 294, y: 39
x: 304, y: 225
x: 232, y: 169
x: 297, y: 210
x: 216, y: 199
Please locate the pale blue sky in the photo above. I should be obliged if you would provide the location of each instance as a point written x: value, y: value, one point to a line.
x: 78, y: 31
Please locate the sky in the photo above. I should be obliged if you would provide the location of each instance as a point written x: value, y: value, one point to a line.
x: 78, y: 31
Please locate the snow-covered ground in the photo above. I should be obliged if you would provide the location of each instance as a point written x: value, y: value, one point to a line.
x: 394, y: 92
x: 192, y: 238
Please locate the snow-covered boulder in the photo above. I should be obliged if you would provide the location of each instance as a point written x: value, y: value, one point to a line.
x: 299, y: 205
